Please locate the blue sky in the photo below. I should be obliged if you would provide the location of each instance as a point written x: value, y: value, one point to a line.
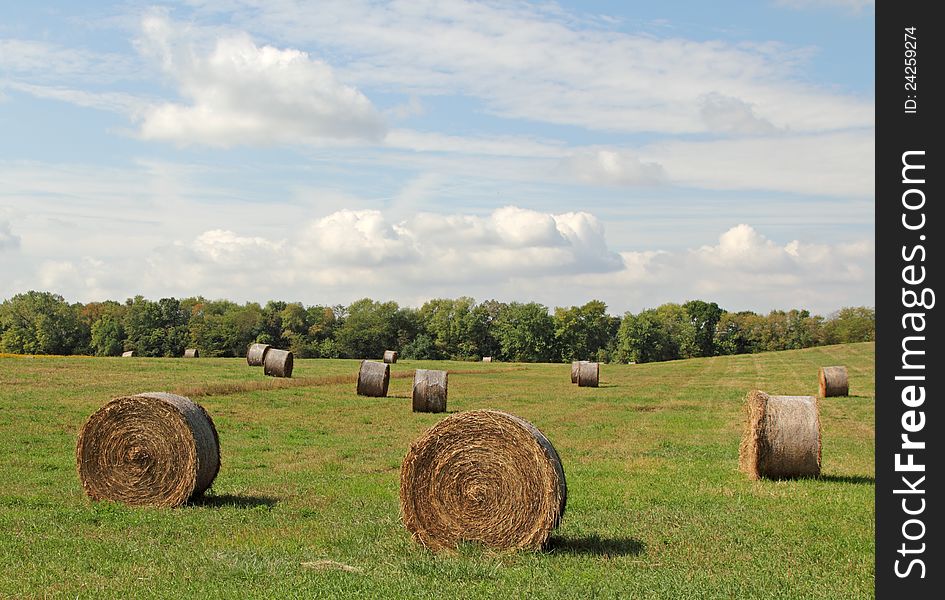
x: 637, y: 152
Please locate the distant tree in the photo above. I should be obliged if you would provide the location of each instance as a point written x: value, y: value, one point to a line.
x: 704, y: 317
x: 372, y: 327
x: 526, y: 333
x: 421, y: 347
x: 583, y: 332
x: 155, y: 328
x: 482, y: 340
x: 740, y: 333
x: 662, y: 333
x: 42, y: 323
x: 450, y: 324
x: 108, y: 335
x: 850, y: 324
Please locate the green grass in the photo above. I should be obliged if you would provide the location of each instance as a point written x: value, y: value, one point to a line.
x: 656, y: 506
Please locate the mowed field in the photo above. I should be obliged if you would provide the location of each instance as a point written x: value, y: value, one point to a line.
x: 306, y: 501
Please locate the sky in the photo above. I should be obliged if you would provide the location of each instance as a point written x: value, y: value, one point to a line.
x: 633, y: 152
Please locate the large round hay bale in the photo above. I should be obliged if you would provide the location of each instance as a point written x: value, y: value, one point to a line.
x: 782, y: 437
x: 575, y: 365
x: 390, y: 356
x: 373, y: 378
x: 482, y: 476
x: 127, y: 353
x: 429, y: 391
x: 487, y: 359
x: 256, y: 354
x: 588, y: 374
x: 155, y: 449
x: 834, y: 382
x: 278, y: 363
x: 191, y: 353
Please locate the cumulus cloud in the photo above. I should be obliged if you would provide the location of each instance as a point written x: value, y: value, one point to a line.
x: 724, y: 114
x: 241, y: 93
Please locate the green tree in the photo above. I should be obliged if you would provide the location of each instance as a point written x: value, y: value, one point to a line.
x: 42, y: 323
x: 850, y: 324
x: 583, y: 332
x: 108, y: 335
x: 526, y: 333
x: 155, y: 328
x: 371, y: 327
x: 704, y: 317
x: 662, y: 333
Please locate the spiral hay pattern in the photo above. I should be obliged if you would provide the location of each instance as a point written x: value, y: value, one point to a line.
x: 152, y: 449
x: 782, y: 437
x: 482, y: 476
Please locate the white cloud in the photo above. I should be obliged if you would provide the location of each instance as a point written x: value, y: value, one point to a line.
x: 241, y: 93
x: 612, y: 166
x: 8, y: 239
x: 724, y: 114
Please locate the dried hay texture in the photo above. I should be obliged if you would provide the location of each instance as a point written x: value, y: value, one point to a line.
x: 487, y: 359
x: 482, y: 476
x: 373, y: 378
x: 256, y: 354
x: 278, y: 363
x: 429, y: 391
x: 782, y: 437
x: 588, y: 374
x: 152, y: 449
x: 390, y: 356
x: 834, y: 382
x: 191, y: 353
x: 575, y: 365
x: 127, y: 353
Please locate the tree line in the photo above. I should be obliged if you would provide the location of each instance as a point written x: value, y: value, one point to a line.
x: 460, y: 329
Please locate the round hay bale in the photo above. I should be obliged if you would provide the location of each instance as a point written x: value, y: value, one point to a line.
x: 575, y: 365
x: 834, y: 382
x: 373, y: 378
x: 482, y: 476
x: 390, y: 356
x: 782, y: 437
x: 154, y: 449
x: 127, y: 353
x: 429, y: 391
x: 191, y: 353
x: 588, y: 374
x: 278, y: 363
x: 256, y: 354
x: 487, y: 359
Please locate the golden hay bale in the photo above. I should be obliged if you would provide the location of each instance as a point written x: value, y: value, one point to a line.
x: 155, y: 449
x: 782, y: 437
x: 373, y: 378
x: 429, y: 391
x: 390, y: 356
x: 575, y: 365
x: 127, y: 353
x: 191, y: 353
x: 487, y: 359
x: 588, y: 374
x: 482, y: 476
x: 278, y: 363
x: 834, y: 382
x: 256, y: 354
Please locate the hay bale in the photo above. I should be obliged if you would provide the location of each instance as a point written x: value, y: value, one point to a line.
x: 191, y: 353
x: 373, y: 378
x: 154, y: 449
x: 278, y: 363
x: 127, y: 353
x: 575, y: 365
x: 482, y: 476
x: 588, y: 374
x: 256, y: 354
x: 834, y: 382
x: 429, y: 391
x: 782, y: 437
x: 390, y: 356
x: 487, y: 359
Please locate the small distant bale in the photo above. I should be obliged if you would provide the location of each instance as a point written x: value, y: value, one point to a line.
x: 429, y: 391
x: 151, y: 449
x: 390, y: 356
x: 575, y: 365
x: 278, y: 363
x: 127, y: 353
x: 256, y: 354
x: 588, y: 374
x: 834, y: 382
x: 191, y: 353
x: 373, y: 378
x: 782, y: 437
x: 487, y: 359
x: 482, y: 476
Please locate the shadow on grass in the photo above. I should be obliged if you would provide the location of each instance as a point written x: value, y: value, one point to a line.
x: 234, y: 501
x: 594, y: 544
x: 857, y: 479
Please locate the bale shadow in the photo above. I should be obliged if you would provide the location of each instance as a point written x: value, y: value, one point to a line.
x: 234, y: 501
x: 855, y: 479
x: 596, y: 545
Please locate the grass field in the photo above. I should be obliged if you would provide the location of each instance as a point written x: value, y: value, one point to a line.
x: 306, y: 502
